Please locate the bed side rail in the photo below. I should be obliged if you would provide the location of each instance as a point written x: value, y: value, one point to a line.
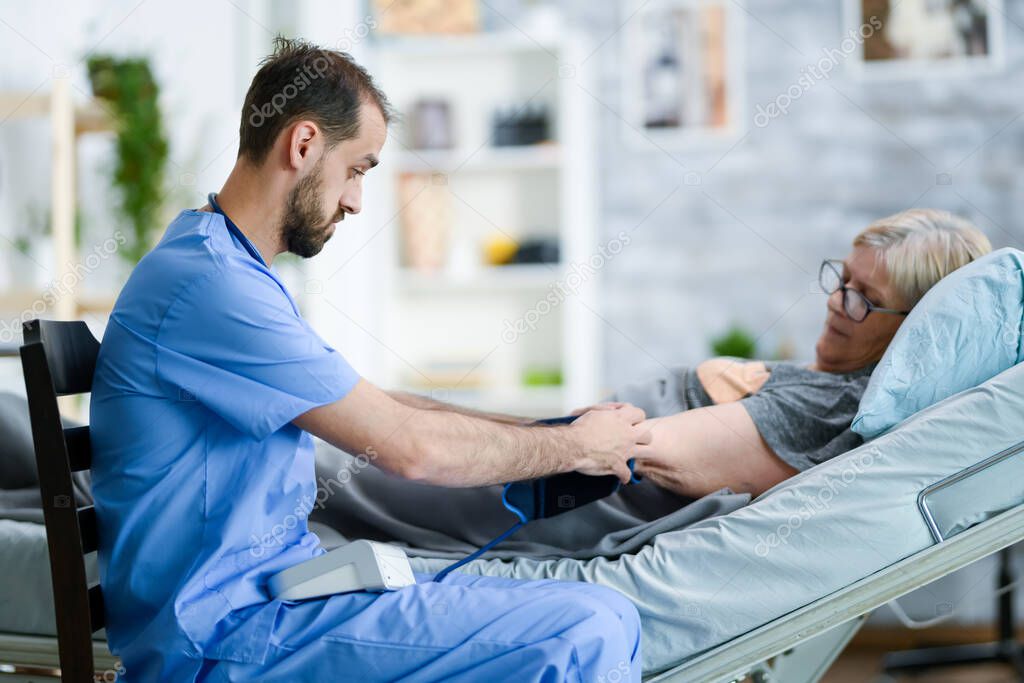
x: 739, y: 656
x: 974, y: 494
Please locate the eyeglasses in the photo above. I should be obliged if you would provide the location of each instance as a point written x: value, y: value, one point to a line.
x: 855, y: 303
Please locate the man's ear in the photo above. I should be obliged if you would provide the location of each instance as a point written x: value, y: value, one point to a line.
x: 303, y: 144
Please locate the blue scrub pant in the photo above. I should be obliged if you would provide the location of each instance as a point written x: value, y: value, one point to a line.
x: 467, y: 628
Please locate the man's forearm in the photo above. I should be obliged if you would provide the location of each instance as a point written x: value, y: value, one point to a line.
x: 451, y: 449
x: 424, y: 403
x: 465, y: 450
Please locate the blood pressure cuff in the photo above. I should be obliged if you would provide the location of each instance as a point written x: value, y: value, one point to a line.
x: 551, y: 496
x: 546, y: 497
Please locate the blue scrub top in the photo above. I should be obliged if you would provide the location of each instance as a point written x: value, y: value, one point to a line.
x: 202, y: 484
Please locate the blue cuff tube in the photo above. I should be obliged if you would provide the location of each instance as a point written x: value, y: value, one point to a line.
x: 547, y: 497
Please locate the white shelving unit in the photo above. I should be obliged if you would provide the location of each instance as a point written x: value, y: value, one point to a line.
x: 446, y: 331
x: 68, y: 121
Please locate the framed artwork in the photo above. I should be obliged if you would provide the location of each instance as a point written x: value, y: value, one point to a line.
x: 432, y: 124
x: 425, y: 221
x: 427, y: 16
x: 915, y: 38
x: 682, y: 70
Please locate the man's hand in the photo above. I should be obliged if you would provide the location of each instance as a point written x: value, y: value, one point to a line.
x: 609, y: 405
x: 609, y: 436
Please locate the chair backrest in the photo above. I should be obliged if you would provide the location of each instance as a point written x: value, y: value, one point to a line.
x: 59, y: 359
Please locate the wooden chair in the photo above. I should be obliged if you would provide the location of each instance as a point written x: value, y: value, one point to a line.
x: 59, y: 359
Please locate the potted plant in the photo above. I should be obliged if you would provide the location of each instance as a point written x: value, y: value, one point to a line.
x: 128, y: 86
x: 737, y: 342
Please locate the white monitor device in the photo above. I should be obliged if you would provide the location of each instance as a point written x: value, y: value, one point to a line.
x: 358, y: 566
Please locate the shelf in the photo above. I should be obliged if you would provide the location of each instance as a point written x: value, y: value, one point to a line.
x: 98, y: 303
x: 546, y: 189
x: 16, y: 105
x: 90, y: 117
x: 68, y: 120
x: 494, y: 43
x: 18, y: 300
x: 546, y: 156
x: 25, y: 300
x: 525, y: 277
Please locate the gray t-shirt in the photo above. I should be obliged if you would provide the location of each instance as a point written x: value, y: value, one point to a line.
x: 802, y: 414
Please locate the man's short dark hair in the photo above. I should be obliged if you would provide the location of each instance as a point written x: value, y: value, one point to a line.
x: 302, y: 81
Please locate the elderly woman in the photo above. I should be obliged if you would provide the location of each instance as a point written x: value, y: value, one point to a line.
x: 748, y: 425
x: 724, y: 424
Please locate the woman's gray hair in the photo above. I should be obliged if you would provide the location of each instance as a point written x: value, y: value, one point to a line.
x: 921, y: 246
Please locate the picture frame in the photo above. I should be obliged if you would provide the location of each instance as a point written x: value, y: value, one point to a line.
x: 913, y: 39
x: 683, y: 72
x: 424, y: 17
x: 432, y: 124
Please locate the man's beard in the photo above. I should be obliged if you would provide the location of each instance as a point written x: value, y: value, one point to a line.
x: 304, y: 228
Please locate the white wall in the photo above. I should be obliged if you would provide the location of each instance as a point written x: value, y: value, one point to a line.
x: 197, y: 52
x: 203, y: 55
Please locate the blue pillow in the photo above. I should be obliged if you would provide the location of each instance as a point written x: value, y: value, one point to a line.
x: 965, y: 330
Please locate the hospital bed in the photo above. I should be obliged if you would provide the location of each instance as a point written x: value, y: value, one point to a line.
x: 945, y: 489
x: 796, y: 646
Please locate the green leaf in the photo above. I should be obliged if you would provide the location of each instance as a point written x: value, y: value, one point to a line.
x: 127, y: 84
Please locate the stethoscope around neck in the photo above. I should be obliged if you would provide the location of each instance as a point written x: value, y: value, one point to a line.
x: 239, y: 235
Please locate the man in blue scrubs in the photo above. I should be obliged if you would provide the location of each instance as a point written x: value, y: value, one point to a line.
x: 208, y: 386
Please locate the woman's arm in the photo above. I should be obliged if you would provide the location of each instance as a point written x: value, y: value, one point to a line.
x: 699, y: 451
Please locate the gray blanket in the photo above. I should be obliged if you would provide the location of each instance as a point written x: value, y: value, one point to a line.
x: 436, y: 525
x: 19, y: 483
x: 432, y: 521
